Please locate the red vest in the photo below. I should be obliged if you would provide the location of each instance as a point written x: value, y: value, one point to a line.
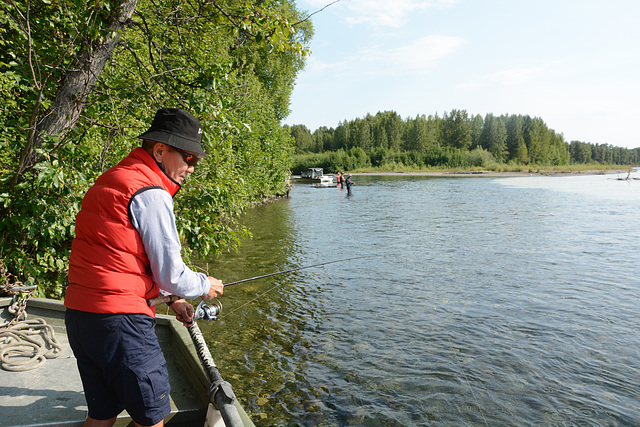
x: 108, y: 267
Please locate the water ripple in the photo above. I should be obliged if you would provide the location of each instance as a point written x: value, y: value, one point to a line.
x: 490, y: 302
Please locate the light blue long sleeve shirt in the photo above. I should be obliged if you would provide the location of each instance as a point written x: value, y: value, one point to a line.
x: 151, y: 213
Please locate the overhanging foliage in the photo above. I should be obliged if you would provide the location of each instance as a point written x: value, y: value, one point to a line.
x: 80, y: 80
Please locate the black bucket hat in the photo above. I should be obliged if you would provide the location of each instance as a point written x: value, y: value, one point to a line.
x: 176, y: 128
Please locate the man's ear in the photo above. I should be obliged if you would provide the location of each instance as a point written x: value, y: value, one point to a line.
x: 158, y: 150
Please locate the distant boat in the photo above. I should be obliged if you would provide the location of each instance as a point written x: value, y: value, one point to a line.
x: 52, y: 394
x: 312, y: 173
x: 326, y: 181
x: 316, y: 176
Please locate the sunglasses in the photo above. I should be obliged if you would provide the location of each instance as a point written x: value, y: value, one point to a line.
x: 189, y: 159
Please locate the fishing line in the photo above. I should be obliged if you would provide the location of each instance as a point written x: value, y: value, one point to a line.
x: 408, y: 265
x: 418, y: 267
x: 464, y: 374
x: 406, y: 261
x: 249, y: 302
x: 297, y: 269
x: 278, y: 285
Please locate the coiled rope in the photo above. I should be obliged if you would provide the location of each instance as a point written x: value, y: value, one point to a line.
x: 24, y: 344
x: 27, y: 344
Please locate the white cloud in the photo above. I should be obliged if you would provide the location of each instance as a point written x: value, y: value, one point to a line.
x: 317, y: 66
x: 509, y: 77
x: 425, y: 52
x: 420, y: 55
x: 384, y: 13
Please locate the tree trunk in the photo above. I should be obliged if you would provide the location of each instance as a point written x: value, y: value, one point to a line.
x: 75, y: 88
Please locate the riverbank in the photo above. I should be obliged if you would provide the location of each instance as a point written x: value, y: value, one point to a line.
x: 499, y: 174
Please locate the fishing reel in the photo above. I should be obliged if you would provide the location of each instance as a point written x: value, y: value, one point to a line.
x: 208, y: 312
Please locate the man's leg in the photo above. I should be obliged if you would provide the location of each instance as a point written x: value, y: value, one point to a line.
x: 160, y: 424
x: 100, y: 423
x: 90, y: 422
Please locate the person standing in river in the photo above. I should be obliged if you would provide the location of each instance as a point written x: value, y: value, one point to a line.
x: 126, y: 251
x: 349, y: 183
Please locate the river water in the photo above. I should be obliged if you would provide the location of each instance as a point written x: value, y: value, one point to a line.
x: 480, y: 302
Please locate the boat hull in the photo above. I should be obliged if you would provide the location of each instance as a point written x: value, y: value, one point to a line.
x: 52, y: 394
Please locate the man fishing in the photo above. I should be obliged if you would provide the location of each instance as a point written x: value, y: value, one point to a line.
x: 349, y: 183
x: 127, y: 251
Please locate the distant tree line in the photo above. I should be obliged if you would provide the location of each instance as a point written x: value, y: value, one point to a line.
x: 454, y: 140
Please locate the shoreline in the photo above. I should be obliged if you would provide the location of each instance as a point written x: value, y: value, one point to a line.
x: 493, y: 174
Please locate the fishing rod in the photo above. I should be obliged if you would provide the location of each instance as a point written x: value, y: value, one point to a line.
x: 296, y: 269
x: 211, y: 312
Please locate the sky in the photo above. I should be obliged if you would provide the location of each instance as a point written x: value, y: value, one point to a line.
x: 573, y: 63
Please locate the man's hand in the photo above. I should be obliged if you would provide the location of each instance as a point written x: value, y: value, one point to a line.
x: 183, y: 311
x: 215, y: 289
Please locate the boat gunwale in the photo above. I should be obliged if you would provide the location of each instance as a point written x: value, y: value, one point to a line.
x: 182, y: 347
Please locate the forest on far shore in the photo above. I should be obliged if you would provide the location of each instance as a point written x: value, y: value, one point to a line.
x: 455, y: 140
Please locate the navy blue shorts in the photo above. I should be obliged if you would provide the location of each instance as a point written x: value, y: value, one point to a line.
x: 121, y: 365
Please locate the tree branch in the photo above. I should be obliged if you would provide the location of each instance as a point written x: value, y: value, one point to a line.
x: 317, y: 11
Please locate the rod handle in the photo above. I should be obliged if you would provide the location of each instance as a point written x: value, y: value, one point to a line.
x: 160, y: 300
